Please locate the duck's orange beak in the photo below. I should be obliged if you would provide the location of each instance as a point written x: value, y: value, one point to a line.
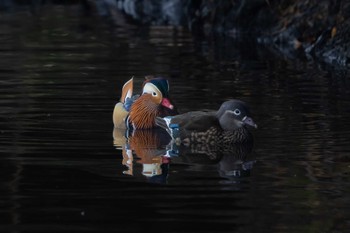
x: 166, y: 103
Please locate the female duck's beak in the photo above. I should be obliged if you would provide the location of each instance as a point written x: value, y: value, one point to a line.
x: 249, y: 121
x: 166, y: 103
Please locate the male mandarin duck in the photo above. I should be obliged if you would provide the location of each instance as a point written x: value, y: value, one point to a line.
x: 225, y: 126
x: 140, y: 111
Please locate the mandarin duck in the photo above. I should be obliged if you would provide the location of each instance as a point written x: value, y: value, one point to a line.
x: 140, y: 111
x: 226, y: 126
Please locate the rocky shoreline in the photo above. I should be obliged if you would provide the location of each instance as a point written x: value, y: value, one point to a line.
x: 316, y: 29
x: 313, y: 29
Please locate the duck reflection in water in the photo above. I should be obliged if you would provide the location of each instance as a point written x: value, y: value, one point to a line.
x: 146, y: 147
x: 233, y: 160
x: 155, y: 150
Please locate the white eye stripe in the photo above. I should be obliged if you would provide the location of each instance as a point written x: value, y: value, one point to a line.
x: 151, y: 89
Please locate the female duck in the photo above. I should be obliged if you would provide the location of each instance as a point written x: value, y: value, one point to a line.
x: 227, y: 125
x: 140, y: 111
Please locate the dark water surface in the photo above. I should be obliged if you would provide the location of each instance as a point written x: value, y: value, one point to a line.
x: 60, y: 77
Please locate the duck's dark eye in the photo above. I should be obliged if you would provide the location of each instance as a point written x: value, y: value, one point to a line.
x: 237, y: 112
x: 154, y: 93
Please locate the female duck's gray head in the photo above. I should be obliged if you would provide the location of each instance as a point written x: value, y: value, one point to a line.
x: 234, y: 114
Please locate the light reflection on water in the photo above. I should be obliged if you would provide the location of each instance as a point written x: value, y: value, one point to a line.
x: 60, y: 169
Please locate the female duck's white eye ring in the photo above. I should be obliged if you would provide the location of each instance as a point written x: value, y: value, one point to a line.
x: 237, y: 112
x: 154, y: 93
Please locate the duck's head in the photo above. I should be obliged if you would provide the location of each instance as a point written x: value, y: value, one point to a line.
x: 157, y: 90
x: 234, y: 114
x: 154, y: 102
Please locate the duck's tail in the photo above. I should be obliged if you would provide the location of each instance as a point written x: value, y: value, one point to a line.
x: 127, y: 90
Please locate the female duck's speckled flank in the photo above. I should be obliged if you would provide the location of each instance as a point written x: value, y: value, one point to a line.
x: 227, y: 125
x: 140, y: 111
